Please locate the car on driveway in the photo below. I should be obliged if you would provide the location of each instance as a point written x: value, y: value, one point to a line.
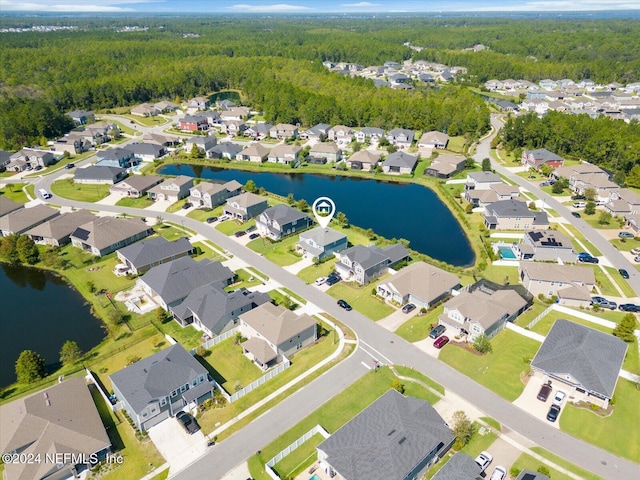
x: 251, y: 229
x: 604, y: 303
x: 409, y: 307
x: 635, y: 251
x: 587, y: 258
x: 578, y: 197
x: 553, y: 413
x: 559, y: 397
x: 189, y: 423
x: 321, y: 281
x: 186, y: 205
x: 441, y: 342
x: 437, y: 331
x: 579, y: 204
x: 629, y: 307
x: 576, y: 214
x: 212, y: 219
x: 345, y: 305
x: 545, y: 391
x: 332, y: 279
x: 484, y: 460
x: 623, y: 273
x: 625, y: 235
x: 636, y: 259
x: 224, y: 217
x: 499, y: 473
x: 240, y: 233
x: 253, y: 236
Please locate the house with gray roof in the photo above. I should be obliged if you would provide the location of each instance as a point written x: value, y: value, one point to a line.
x: 394, y: 438
x: 165, y: 106
x: 23, y: 219
x: 136, y: 186
x: 116, y: 157
x: 226, y: 150
x: 317, y: 133
x: 365, y: 160
x: 245, y: 206
x: 273, y: 332
x: 5, y: 159
x: 94, y: 174
x: 445, y: 166
x: 283, y: 130
x: 168, y: 284
x: 433, y: 139
x: 210, y: 309
x: 82, y: 117
x: 459, y: 467
x: 210, y: 195
x: 259, y: 131
x: 531, y: 475
x: 546, y: 245
x: 513, y: 215
x: 481, y: 180
x: 586, y: 362
x: 572, y: 284
x: 281, y: 221
x: 7, y: 205
x: 321, y: 243
x: 157, y: 387
x: 371, y: 135
x: 362, y: 264
x: 255, y: 152
x: 30, y: 158
x: 107, y: 234
x: 401, y: 137
x: 147, y: 152
x: 48, y: 424
x: 74, y: 143
x: 541, y: 156
x: 144, y: 110
x: 171, y: 189
x: 495, y: 192
x: 419, y: 283
x: 399, y: 163
x: 161, y: 139
x: 58, y: 230
x: 141, y: 256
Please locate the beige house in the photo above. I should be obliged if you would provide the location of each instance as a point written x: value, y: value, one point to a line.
x: 328, y: 150
x: 284, y: 153
x: 572, y: 284
x: 172, y: 189
x: 104, y: 235
x: 23, y: 219
x: 254, y: 153
x: 282, y: 131
x: 58, y: 230
x: 245, y: 206
x: 365, y: 160
x: 433, y: 139
x: 135, y: 186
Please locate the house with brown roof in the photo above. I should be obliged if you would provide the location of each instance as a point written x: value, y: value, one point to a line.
x: 235, y: 113
x: 273, y: 332
x: 433, y: 139
x: 365, y: 160
x: 284, y: 154
x: 30, y: 158
x: 495, y: 193
x: 172, y: 189
x: 107, y: 234
x: 210, y: 195
x: 282, y: 131
x: 623, y: 202
x: 445, y: 166
x: 245, y: 206
x: 23, y: 219
x: 136, y: 186
x: 328, y: 150
x: 340, y: 134
x: 255, y: 152
x: 7, y: 205
x: 58, y: 230
x: 144, y: 110
x: 572, y: 284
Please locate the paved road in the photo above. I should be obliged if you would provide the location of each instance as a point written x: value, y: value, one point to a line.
x: 388, y: 348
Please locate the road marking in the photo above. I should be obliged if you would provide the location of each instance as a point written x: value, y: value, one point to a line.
x: 366, y: 366
x: 386, y: 359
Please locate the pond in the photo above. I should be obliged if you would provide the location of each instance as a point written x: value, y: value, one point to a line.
x: 393, y: 210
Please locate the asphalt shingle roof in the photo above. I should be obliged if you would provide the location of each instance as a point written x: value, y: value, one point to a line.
x: 400, y: 159
x: 95, y: 172
x: 459, y: 467
x: 276, y: 324
x: 151, y: 250
x: 106, y: 231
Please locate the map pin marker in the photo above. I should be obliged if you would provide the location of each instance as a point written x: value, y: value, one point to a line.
x: 323, y: 209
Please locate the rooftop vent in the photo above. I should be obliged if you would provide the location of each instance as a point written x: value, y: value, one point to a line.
x: 401, y: 441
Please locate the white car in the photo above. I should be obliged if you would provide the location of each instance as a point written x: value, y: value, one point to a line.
x: 579, y: 204
x: 321, y: 281
x: 635, y: 251
x: 484, y: 460
x: 224, y: 217
x: 499, y: 473
x: 559, y: 398
x: 44, y: 194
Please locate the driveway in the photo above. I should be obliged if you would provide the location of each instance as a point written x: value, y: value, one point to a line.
x: 298, y: 266
x: 177, y: 447
x: 504, y: 454
x: 110, y: 199
x: 159, y: 206
x: 393, y: 321
x: 530, y: 404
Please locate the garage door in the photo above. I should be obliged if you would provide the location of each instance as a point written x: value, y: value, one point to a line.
x: 155, y: 420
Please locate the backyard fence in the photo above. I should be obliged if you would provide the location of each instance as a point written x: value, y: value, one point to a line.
x: 269, y: 465
x: 541, y: 316
x: 216, y: 340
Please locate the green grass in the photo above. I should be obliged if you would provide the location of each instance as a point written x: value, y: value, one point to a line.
x: 177, y: 206
x: 498, y: 371
x: 298, y: 460
x: 311, y: 273
x: 589, y: 246
x: 456, y: 144
x: 536, y: 309
x: 31, y: 190
x: 604, y: 282
x: 277, y: 252
x: 201, y: 214
x: 409, y: 372
x: 418, y: 327
x: 295, y: 297
x: 593, y: 220
x: 169, y: 232
x: 561, y: 462
x: 151, y: 121
x: 621, y: 282
x: 142, y: 202
x: 526, y: 461
x: 230, y: 227
x: 479, y: 443
x: 79, y: 191
x: 281, y: 299
x: 501, y: 274
x: 229, y: 367
x: 258, y: 273
x: 245, y: 280
x: 188, y: 336
x: 207, y: 252
x: 361, y: 299
x: 13, y: 191
x: 492, y: 422
x: 625, y: 246
x: 162, y: 475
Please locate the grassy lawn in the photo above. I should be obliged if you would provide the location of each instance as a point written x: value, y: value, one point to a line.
x: 177, y: 206
x: 201, y: 214
x: 258, y: 273
x: 622, y: 283
x: 31, y: 190
x: 625, y: 245
x: 536, y: 309
x: 13, y: 191
x: 498, y: 371
x: 593, y: 220
x: 207, y: 252
x: 604, y: 282
x: 573, y: 232
x: 151, y: 121
x: 409, y: 372
x: 361, y: 299
x: 188, y: 336
x: 142, y: 202
x: 309, y: 274
x: 169, y: 232
x: 285, y: 300
x: 298, y: 460
x: 526, y: 461
x: 79, y: 191
x: 501, y: 274
x: 230, y: 227
x: 279, y: 253
x: 295, y: 297
x: 229, y: 367
x: 563, y: 463
x: 245, y: 280
x: 418, y: 327
x: 456, y: 144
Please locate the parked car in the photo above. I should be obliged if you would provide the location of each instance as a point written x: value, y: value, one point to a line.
x: 545, y: 183
x: 576, y: 214
x: 604, y: 303
x: 253, y: 236
x: 409, y: 307
x: 44, y: 194
x: 578, y: 197
x: 186, y: 205
x: 321, y: 281
x: 240, y: 233
x: 484, y: 460
x: 499, y: 473
x: 189, y: 423
x: 38, y: 167
x: 332, y: 279
x: 441, y: 342
x: 629, y: 307
x: 224, y: 217
x: 553, y: 413
x: 69, y: 166
x: 545, y: 391
x: 636, y: 259
x: 559, y: 397
x: 587, y: 258
x: 251, y: 228
x: 212, y: 219
x: 579, y: 204
x: 623, y: 273
x: 625, y: 235
x: 437, y: 331
x: 345, y: 305
x: 635, y: 251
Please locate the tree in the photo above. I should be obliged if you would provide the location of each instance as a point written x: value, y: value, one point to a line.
x: 463, y: 428
x: 633, y: 177
x: 27, y: 250
x: 468, y: 162
x: 486, y: 165
x: 70, y: 353
x: 624, y: 329
x: 545, y: 169
x: 397, y: 385
x: 8, y: 249
x: 557, y: 188
x: 370, y: 234
x: 543, y: 470
x: 290, y: 199
x: 604, y: 218
x: 590, y: 193
x: 30, y: 367
x: 196, y: 152
x: 342, y: 219
x: 302, y: 205
x: 590, y: 208
x: 482, y: 344
x: 250, y: 186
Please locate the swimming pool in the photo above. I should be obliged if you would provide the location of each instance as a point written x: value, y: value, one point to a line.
x: 506, y: 253
x: 315, y: 477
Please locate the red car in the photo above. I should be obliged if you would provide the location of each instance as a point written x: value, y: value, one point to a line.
x: 441, y: 342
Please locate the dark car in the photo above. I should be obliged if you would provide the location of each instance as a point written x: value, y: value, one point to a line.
x: 629, y: 307
x: 69, y: 166
x: 332, y: 279
x: 587, y: 258
x: 345, y: 305
x: 437, y: 331
x: 409, y: 307
x: 240, y: 233
x: 554, y: 411
x: 623, y: 273
x: 186, y: 205
x: 253, y: 236
x: 251, y: 229
x: 604, y: 303
x: 576, y: 214
x: 545, y: 391
x: 578, y: 197
x: 189, y: 423
x: 212, y: 219
x: 441, y: 342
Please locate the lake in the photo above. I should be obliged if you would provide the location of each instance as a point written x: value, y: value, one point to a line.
x: 393, y: 210
x: 40, y: 312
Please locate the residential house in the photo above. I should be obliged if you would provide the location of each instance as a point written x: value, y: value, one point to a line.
x: 419, y: 283
x: 210, y: 195
x: 630, y: 197
x: 281, y: 221
x: 5, y: 158
x: 340, y: 134
x: 245, y: 206
x: 513, y: 215
x: 30, y: 158
x: 282, y: 131
x: 445, y: 166
x: 507, y: 106
x: 401, y: 138
x: 371, y: 135
x: 225, y: 150
x: 459, y: 467
x: 547, y: 84
x: 321, y: 243
x: 362, y: 264
x: 7, y: 206
x: 394, y: 438
x: 571, y: 284
x: 433, y: 139
x: 399, y: 163
x: 225, y: 104
x: 484, y: 308
x: 527, y: 474
x: 165, y: 106
x: 168, y: 284
x: 203, y: 143
x: 82, y: 117
x: 58, y: 428
x: 116, y: 157
x: 541, y: 156
x: 104, y: 235
x: 481, y: 180
x: 168, y: 141
x: 546, y: 245
x: 233, y: 127
x: 259, y: 131
x: 574, y: 173
x: 212, y: 310
x: 603, y: 187
x: 193, y: 123
x: 73, y: 143
x: 398, y: 79
x: 584, y: 362
x: 94, y: 174
x: 135, y: 186
x: 317, y: 133
x: 255, y: 152
x: 365, y: 160
x: 198, y: 103
x: 100, y: 133
x: 147, y: 152
x: 23, y: 219
x: 273, y: 332
x: 157, y: 387
x: 235, y: 113
x: 284, y: 153
x: 172, y: 189
x: 144, y: 110
x: 57, y: 231
x: 329, y: 151
x: 141, y: 256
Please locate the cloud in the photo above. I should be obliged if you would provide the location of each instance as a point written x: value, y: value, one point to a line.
x: 98, y: 6
x: 360, y: 5
x: 561, y: 6
x: 279, y: 7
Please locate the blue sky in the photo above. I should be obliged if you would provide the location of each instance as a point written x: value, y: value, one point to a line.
x: 313, y: 6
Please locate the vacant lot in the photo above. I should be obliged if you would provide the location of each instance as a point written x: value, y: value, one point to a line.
x: 361, y: 299
x: 79, y: 192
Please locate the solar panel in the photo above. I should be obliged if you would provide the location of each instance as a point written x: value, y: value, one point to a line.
x: 81, y: 233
